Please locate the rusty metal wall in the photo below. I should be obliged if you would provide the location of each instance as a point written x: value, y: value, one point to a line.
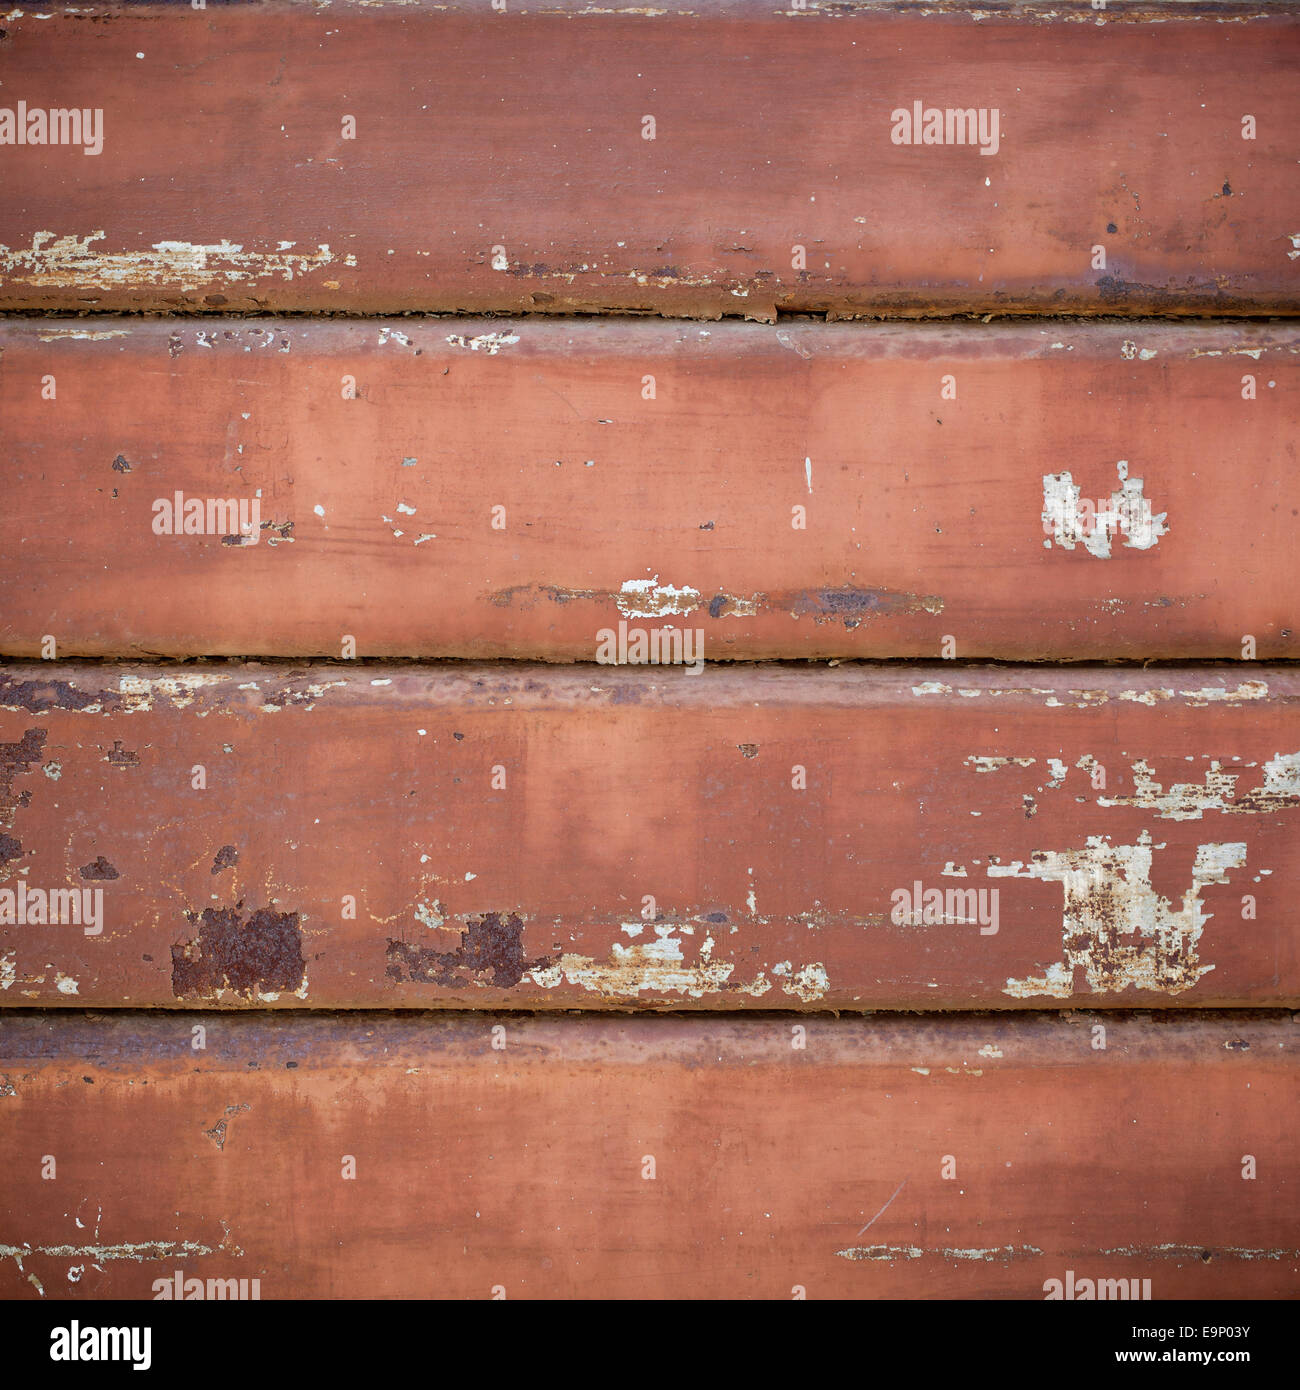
x: 915, y: 919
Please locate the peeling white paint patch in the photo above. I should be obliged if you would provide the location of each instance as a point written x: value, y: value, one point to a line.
x: 1068, y: 523
x: 1280, y: 790
x: 647, y: 598
x: 385, y: 334
x: 491, y: 343
x: 272, y: 996
x: 658, y: 966
x: 932, y: 688
x: 810, y: 983
x: 1207, y: 695
x: 8, y: 971
x: 74, y: 262
x: 1281, y: 778
x: 988, y: 1050
x: 1295, y: 246
x: 1058, y: 770
x: 139, y: 692
x: 430, y: 913
x: 1211, y: 695
x: 53, y: 335
x: 915, y: 1252
x: 65, y: 984
x: 1117, y: 933
x: 992, y: 764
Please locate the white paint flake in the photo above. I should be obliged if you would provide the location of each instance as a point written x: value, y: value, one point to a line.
x: 1068, y: 523
x: 647, y: 598
x: 490, y: 343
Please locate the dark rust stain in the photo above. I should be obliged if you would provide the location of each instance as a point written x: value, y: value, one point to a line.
x: 250, y: 957
x: 1114, y: 290
x: 120, y: 465
x: 121, y: 757
x: 850, y: 605
x: 528, y: 594
x: 492, y: 943
x: 100, y: 869
x: 38, y: 696
x: 16, y: 759
x: 748, y: 750
x: 226, y: 858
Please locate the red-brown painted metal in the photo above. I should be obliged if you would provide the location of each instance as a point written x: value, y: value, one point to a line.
x: 751, y: 837
x: 515, y: 488
x: 655, y: 1158
x: 382, y: 158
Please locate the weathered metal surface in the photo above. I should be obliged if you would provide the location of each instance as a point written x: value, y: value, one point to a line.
x: 449, y: 157
x: 683, y: 1158
x: 752, y: 837
x: 501, y: 488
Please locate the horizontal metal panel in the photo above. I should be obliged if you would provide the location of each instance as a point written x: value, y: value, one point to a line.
x: 751, y: 837
x: 519, y: 488
x: 472, y: 1157
x: 731, y: 160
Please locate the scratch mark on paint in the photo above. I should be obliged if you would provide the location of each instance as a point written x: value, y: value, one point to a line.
x: 1198, y: 1252
x: 1000, y: 1253
x: 885, y: 1208
x: 137, y: 1251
